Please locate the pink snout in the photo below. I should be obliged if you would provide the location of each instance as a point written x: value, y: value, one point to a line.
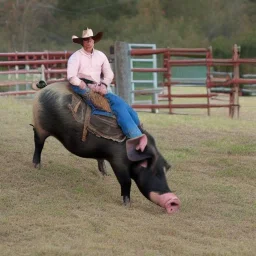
x: 169, y: 201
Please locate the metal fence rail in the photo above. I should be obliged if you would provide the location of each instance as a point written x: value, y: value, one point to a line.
x: 210, y: 82
x: 30, y: 67
x: 24, y: 68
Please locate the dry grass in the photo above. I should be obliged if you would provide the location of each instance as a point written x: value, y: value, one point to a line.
x: 68, y: 209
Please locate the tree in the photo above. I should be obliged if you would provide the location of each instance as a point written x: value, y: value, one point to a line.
x: 108, y: 9
x: 20, y: 21
x: 28, y: 25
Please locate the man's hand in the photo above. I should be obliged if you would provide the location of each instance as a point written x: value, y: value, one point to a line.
x: 82, y: 85
x: 101, y: 89
x: 92, y: 86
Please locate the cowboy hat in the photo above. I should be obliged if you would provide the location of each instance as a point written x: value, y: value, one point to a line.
x: 87, y: 33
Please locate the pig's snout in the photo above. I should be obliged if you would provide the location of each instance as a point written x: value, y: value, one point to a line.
x: 169, y: 201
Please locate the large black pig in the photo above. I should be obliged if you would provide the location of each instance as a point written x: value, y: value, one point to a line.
x: 52, y: 117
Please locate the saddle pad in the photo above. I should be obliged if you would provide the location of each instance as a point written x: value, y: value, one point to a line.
x: 107, y: 127
x: 101, y: 126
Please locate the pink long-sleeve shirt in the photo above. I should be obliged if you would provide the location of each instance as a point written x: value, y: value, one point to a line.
x: 89, y: 64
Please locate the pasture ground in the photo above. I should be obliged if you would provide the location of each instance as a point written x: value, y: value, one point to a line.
x: 67, y: 209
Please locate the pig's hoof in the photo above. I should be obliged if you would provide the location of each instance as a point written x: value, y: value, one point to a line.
x: 37, y: 165
x: 126, y: 201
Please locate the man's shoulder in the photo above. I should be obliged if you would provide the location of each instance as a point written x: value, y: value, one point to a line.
x: 75, y: 54
x: 99, y: 53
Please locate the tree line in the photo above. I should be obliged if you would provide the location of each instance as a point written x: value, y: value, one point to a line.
x: 37, y: 25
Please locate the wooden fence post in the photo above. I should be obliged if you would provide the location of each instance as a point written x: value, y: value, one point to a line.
x: 17, y: 87
x: 208, y: 77
x: 43, y: 73
x: 123, y: 71
x: 236, y: 53
x: 27, y: 76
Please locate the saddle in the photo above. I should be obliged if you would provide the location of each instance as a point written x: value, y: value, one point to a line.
x: 101, y: 126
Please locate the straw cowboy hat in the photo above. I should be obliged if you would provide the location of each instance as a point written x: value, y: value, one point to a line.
x: 87, y: 34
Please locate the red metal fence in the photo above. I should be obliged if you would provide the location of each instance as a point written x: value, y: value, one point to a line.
x: 43, y: 65
x: 206, y: 59
x: 52, y: 66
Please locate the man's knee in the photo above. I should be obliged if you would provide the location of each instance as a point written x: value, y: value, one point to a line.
x: 114, y: 99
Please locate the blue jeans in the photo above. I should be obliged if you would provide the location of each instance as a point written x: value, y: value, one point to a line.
x: 126, y: 117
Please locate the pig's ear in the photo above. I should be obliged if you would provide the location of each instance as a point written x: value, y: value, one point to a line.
x: 133, y: 149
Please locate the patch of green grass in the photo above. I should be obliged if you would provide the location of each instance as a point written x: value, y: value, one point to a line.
x: 242, y: 149
x: 242, y: 172
x: 233, y: 146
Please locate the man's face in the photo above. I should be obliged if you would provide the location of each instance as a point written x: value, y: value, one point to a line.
x: 88, y: 44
